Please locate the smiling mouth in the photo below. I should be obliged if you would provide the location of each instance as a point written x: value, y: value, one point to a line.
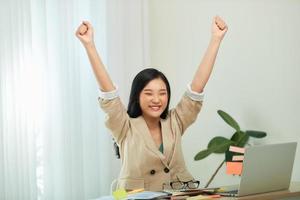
x: 155, y: 108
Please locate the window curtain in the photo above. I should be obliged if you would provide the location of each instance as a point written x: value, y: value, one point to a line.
x: 53, y: 143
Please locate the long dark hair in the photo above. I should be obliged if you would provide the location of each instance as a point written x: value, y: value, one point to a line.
x: 138, y: 84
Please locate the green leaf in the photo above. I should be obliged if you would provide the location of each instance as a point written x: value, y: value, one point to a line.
x: 219, y: 144
x: 240, y: 138
x: 202, y: 154
x: 256, y: 134
x: 229, y: 120
x: 235, y: 137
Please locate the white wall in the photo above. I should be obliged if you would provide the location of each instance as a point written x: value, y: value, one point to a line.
x: 256, y: 76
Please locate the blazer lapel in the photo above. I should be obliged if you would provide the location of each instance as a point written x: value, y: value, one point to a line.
x: 143, y: 128
x: 168, y: 141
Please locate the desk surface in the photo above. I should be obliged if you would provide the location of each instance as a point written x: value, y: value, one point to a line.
x: 293, y: 191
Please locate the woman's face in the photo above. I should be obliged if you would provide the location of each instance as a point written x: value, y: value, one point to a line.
x: 154, y: 98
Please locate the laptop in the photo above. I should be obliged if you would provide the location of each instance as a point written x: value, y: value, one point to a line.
x: 266, y: 168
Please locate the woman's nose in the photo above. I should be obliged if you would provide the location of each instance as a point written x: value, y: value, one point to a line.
x: 155, y: 99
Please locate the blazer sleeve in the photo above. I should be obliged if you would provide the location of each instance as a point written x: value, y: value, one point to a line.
x: 186, y: 111
x: 117, y: 119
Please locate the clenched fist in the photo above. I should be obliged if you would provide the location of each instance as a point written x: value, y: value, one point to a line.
x: 85, y: 33
x: 219, y: 27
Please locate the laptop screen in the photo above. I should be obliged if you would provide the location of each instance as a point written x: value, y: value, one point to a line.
x: 267, y: 168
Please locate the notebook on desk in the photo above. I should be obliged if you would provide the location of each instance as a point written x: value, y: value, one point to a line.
x: 266, y: 168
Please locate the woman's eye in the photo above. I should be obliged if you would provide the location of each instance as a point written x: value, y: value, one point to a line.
x: 148, y: 94
x: 163, y: 94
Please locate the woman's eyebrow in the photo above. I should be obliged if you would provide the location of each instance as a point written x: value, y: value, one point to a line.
x: 152, y: 90
x: 148, y: 90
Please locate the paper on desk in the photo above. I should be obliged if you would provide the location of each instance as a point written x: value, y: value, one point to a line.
x: 187, y: 192
x: 147, y: 195
x: 203, y: 197
x: 119, y: 194
x: 140, y: 195
x: 198, y: 197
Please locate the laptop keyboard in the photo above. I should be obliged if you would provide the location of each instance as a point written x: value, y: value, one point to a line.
x: 231, y: 193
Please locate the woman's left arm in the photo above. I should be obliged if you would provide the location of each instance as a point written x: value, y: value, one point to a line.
x: 219, y: 28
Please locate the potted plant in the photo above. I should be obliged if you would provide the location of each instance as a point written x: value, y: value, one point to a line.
x: 220, y: 145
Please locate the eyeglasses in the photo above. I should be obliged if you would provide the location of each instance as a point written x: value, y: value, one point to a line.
x: 181, y: 185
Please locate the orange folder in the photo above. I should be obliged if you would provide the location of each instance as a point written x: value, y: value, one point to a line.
x: 234, y: 168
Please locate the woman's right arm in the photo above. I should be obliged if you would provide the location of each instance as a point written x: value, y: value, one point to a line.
x: 85, y: 34
x: 117, y: 118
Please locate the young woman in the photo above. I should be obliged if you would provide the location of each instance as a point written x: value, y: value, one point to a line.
x: 148, y: 134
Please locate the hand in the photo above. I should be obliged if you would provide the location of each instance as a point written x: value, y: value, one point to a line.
x: 85, y: 33
x: 219, y: 28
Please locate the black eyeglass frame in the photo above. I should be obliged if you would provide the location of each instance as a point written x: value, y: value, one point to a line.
x: 185, y: 184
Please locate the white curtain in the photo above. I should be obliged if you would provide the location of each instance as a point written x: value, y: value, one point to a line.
x: 53, y: 143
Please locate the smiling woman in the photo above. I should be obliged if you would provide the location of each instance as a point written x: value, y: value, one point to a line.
x: 53, y: 142
x: 149, y: 135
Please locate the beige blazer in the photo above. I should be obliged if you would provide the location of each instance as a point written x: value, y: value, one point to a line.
x: 143, y: 165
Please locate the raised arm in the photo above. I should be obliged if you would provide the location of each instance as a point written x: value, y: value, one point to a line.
x: 219, y: 28
x: 85, y: 33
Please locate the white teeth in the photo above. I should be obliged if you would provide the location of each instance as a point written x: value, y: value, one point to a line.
x: 155, y: 107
